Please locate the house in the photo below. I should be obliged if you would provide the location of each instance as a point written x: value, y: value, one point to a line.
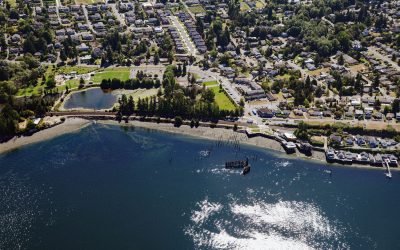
x: 85, y: 59
x: 327, y: 113
x: 360, y: 140
x: 349, y: 141
x: 335, y: 140
x: 372, y: 142
x: 398, y: 116
x: 87, y: 37
x: 389, y: 116
x: 265, y: 113
x: 82, y: 47
x: 99, y: 26
x: 359, y: 114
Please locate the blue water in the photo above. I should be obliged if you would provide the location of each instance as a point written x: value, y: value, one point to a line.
x: 93, y: 98
x: 107, y: 187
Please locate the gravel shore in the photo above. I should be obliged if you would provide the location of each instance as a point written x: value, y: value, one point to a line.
x: 74, y: 124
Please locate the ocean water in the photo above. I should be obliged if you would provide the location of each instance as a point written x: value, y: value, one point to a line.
x: 108, y: 187
x: 93, y: 98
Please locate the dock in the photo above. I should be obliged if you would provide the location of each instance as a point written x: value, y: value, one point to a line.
x: 388, y: 173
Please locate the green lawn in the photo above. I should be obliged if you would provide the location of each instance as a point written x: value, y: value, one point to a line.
x: 39, y: 89
x: 31, y: 90
x: 259, y: 5
x: 197, y: 9
x: 244, y: 7
x: 88, y: 1
x: 119, y: 73
x: 210, y: 83
x: 12, y: 3
x: 222, y: 100
x: 79, y: 70
x: 73, y: 83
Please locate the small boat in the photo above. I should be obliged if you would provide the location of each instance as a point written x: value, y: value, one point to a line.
x: 205, y: 153
x: 246, y: 170
x: 328, y: 171
x: 388, y: 175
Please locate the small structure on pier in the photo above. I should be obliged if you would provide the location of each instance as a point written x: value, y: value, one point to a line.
x: 239, y: 164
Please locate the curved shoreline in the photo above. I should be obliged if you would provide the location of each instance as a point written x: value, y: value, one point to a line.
x: 75, y: 124
x: 70, y: 125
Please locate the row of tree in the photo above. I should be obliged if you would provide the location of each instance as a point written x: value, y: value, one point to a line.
x: 146, y: 83
x: 186, y: 102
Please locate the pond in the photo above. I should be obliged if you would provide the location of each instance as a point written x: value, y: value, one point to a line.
x: 94, y: 98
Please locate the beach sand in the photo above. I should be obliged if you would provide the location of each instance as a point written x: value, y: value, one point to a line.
x: 70, y: 125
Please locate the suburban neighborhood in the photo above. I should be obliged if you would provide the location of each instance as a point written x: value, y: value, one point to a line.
x: 328, y: 73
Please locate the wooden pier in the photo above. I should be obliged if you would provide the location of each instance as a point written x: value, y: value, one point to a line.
x: 386, y: 163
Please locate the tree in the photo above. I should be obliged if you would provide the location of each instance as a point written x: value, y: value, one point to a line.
x: 235, y: 127
x: 81, y: 83
x: 301, y: 131
x: 396, y: 106
x: 156, y: 58
x: 184, y: 70
x: 208, y: 96
x: 8, y: 121
x: 51, y: 82
x: 340, y: 59
x: 241, y: 102
x: 178, y: 121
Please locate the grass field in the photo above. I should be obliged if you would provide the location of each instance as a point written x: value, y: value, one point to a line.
x: 31, y: 90
x: 119, y: 73
x: 259, y: 5
x: 73, y: 83
x: 244, y: 7
x: 142, y: 93
x: 77, y: 69
x: 39, y: 88
x: 13, y: 3
x: 210, y: 83
x: 197, y: 9
x: 50, y: 2
x: 88, y: 1
x: 223, y: 102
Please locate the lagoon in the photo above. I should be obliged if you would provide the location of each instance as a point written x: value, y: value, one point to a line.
x: 107, y: 187
x: 93, y: 98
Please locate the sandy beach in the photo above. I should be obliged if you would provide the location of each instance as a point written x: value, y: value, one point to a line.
x: 70, y: 125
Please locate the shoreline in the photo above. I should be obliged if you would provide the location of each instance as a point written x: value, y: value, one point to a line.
x: 226, y: 134
x: 75, y: 124
x: 70, y: 125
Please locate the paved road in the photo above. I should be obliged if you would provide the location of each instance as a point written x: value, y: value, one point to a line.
x: 117, y: 14
x: 328, y: 22
x: 88, y: 22
x: 190, y: 47
x: 58, y: 4
x: 374, y: 51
